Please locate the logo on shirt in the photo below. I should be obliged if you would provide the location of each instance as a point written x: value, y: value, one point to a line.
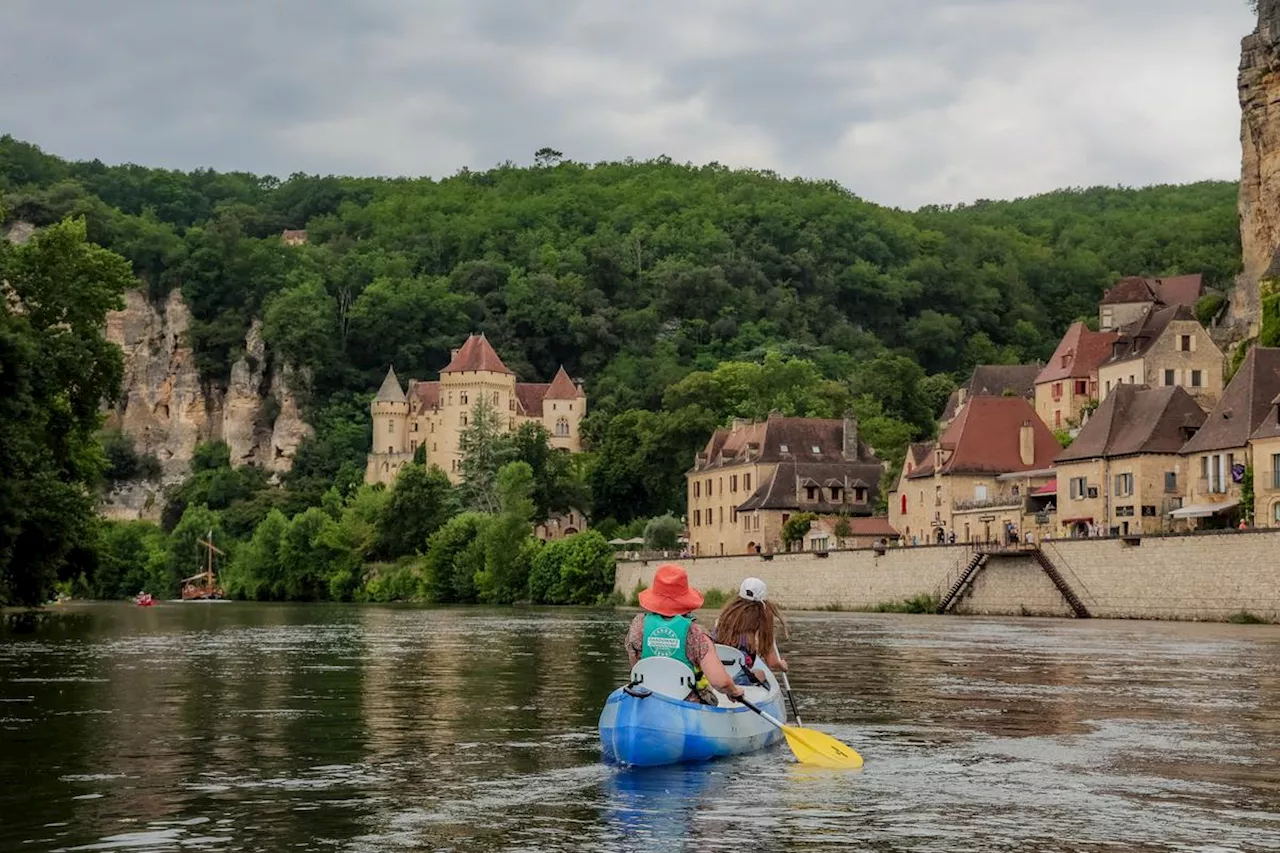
x: 663, y: 642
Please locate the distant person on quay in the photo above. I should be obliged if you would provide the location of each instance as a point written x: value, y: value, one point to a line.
x: 667, y: 629
x: 749, y: 622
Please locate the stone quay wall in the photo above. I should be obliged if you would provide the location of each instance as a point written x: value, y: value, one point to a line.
x: 1206, y: 577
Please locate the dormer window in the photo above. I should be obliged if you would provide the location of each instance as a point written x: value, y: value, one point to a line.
x: 783, y: 448
x: 809, y: 493
x: 817, y: 449
x: 860, y: 495
x: 835, y: 494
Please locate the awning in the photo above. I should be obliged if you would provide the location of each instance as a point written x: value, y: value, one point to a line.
x: 1049, y: 488
x: 1203, y: 510
x: 1077, y: 520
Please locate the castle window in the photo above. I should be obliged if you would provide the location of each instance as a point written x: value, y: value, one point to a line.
x: 462, y: 397
x: 697, y: 518
x: 553, y: 407
x: 415, y: 426
x: 450, y: 398
x: 462, y: 419
x: 571, y: 407
x: 746, y: 482
x: 562, y: 426
x: 495, y: 398
x: 511, y: 404
x: 835, y: 494
x: 697, y: 488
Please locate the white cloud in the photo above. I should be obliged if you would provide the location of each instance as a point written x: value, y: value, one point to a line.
x: 906, y: 102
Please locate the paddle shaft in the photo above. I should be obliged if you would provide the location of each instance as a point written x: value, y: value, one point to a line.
x: 770, y: 717
x: 786, y: 683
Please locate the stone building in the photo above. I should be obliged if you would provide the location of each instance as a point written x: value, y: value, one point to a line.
x: 992, y: 380
x: 1069, y: 382
x: 975, y: 480
x: 1133, y: 297
x: 1123, y: 472
x: 750, y: 479
x: 1265, y: 449
x: 1166, y: 347
x: 433, y: 414
x: 1219, y: 455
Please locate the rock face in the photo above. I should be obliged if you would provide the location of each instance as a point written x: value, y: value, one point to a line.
x: 1259, y: 87
x: 168, y: 410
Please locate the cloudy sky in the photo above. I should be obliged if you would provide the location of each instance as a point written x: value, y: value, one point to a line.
x: 906, y: 102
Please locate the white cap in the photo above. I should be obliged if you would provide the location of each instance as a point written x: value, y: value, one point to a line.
x: 752, y: 589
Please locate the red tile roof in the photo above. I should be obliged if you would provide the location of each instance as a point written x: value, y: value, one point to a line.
x: 476, y: 354
x: 1135, y: 419
x: 1172, y: 290
x: 876, y: 525
x: 985, y: 439
x: 562, y: 387
x: 529, y: 397
x: 1078, y: 355
x: 424, y: 395
x: 1245, y: 405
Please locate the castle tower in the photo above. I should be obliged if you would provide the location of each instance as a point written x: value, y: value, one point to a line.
x: 563, y: 408
x: 475, y: 372
x: 390, y: 410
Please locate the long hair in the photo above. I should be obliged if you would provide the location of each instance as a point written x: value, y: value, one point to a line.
x: 751, y: 622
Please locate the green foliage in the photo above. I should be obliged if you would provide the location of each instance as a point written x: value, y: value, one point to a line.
x: 575, y: 570
x: 663, y: 533
x: 124, y: 463
x: 795, y: 527
x: 132, y: 558
x: 455, y: 555
x: 1269, y: 334
x: 1247, y: 494
x: 1064, y: 437
x: 633, y: 600
x: 399, y: 582
x: 218, y: 486
x: 55, y: 370
x: 1208, y: 306
x: 484, y: 448
x: 420, y: 502
x: 792, y: 386
x: 509, y: 546
x: 712, y: 598
x: 1245, y: 617
x: 922, y: 603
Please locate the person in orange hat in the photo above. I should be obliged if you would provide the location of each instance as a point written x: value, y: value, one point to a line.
x: 667, y: 629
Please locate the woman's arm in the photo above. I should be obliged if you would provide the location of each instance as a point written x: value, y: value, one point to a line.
x: 702, y: 650
x: 775, y: 660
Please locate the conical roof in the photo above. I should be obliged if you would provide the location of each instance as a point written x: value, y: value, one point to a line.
x: 477, y: 354
x: 562, y: 387
x: 390, y: 392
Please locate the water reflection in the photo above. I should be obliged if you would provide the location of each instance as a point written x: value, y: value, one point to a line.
x: 264, y: 727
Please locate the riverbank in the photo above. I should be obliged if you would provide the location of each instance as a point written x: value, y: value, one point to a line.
x: 1214, y: 576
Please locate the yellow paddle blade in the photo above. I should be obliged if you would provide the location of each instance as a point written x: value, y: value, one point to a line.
x: 812, y: 747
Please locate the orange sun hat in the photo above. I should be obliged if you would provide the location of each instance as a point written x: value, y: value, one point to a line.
x: 670, y: 594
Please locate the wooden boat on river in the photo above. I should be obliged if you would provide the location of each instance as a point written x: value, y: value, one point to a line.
x: 648, y: 722
x: 204, y: 585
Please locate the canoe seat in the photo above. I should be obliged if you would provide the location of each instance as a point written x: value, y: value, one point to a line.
x: 732, y: 658
x: 667, y: 676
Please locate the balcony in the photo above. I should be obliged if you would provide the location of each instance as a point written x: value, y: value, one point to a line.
x: 997, y: 502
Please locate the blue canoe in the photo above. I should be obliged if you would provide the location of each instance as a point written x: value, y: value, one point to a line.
x: 648, y: 722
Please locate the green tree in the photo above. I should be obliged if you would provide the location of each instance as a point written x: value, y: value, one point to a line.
x: 55, y: 370
x: 485, y: 447
x: 420, y: 502
x: 795, y: 528
x: 663, y: 533
x: 256, y: 572
x: 508, y: 541
x: 455, y: 555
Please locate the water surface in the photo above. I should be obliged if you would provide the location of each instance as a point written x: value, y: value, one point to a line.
x: 238, y: 727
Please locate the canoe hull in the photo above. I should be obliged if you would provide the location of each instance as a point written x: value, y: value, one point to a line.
x: 643, y: 729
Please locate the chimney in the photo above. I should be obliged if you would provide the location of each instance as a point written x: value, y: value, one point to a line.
x: 774, y: 414
x: 453, y: 353
x: 1027, y: 444
x: 850, y: 450
x: 740, y: 423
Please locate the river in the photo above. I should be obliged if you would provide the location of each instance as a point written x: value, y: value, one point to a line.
x: 258, y: 727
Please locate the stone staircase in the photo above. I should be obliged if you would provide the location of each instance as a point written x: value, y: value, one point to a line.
x: 980, y: 557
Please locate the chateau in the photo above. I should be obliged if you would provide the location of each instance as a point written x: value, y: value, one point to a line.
x: 433, y: 415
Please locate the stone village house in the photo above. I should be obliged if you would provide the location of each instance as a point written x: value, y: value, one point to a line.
x: 1265, y: 450
x: 1133, y: 297
x: 750, y: 479
x: 1123, y: 471
x: 1221, y: 452
x: 976, y: 480
x: 1165, y: 347
x: 1069, y: 382
x: 991, y: 380
x: 433, y: 414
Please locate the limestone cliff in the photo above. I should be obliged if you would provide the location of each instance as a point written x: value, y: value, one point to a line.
x: 168, y: 410
x: 1259, y: 88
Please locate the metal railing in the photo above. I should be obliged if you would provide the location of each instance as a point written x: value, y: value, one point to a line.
x: 998, y: 502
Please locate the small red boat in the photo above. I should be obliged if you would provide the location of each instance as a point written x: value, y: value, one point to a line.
x: 144, y: 599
